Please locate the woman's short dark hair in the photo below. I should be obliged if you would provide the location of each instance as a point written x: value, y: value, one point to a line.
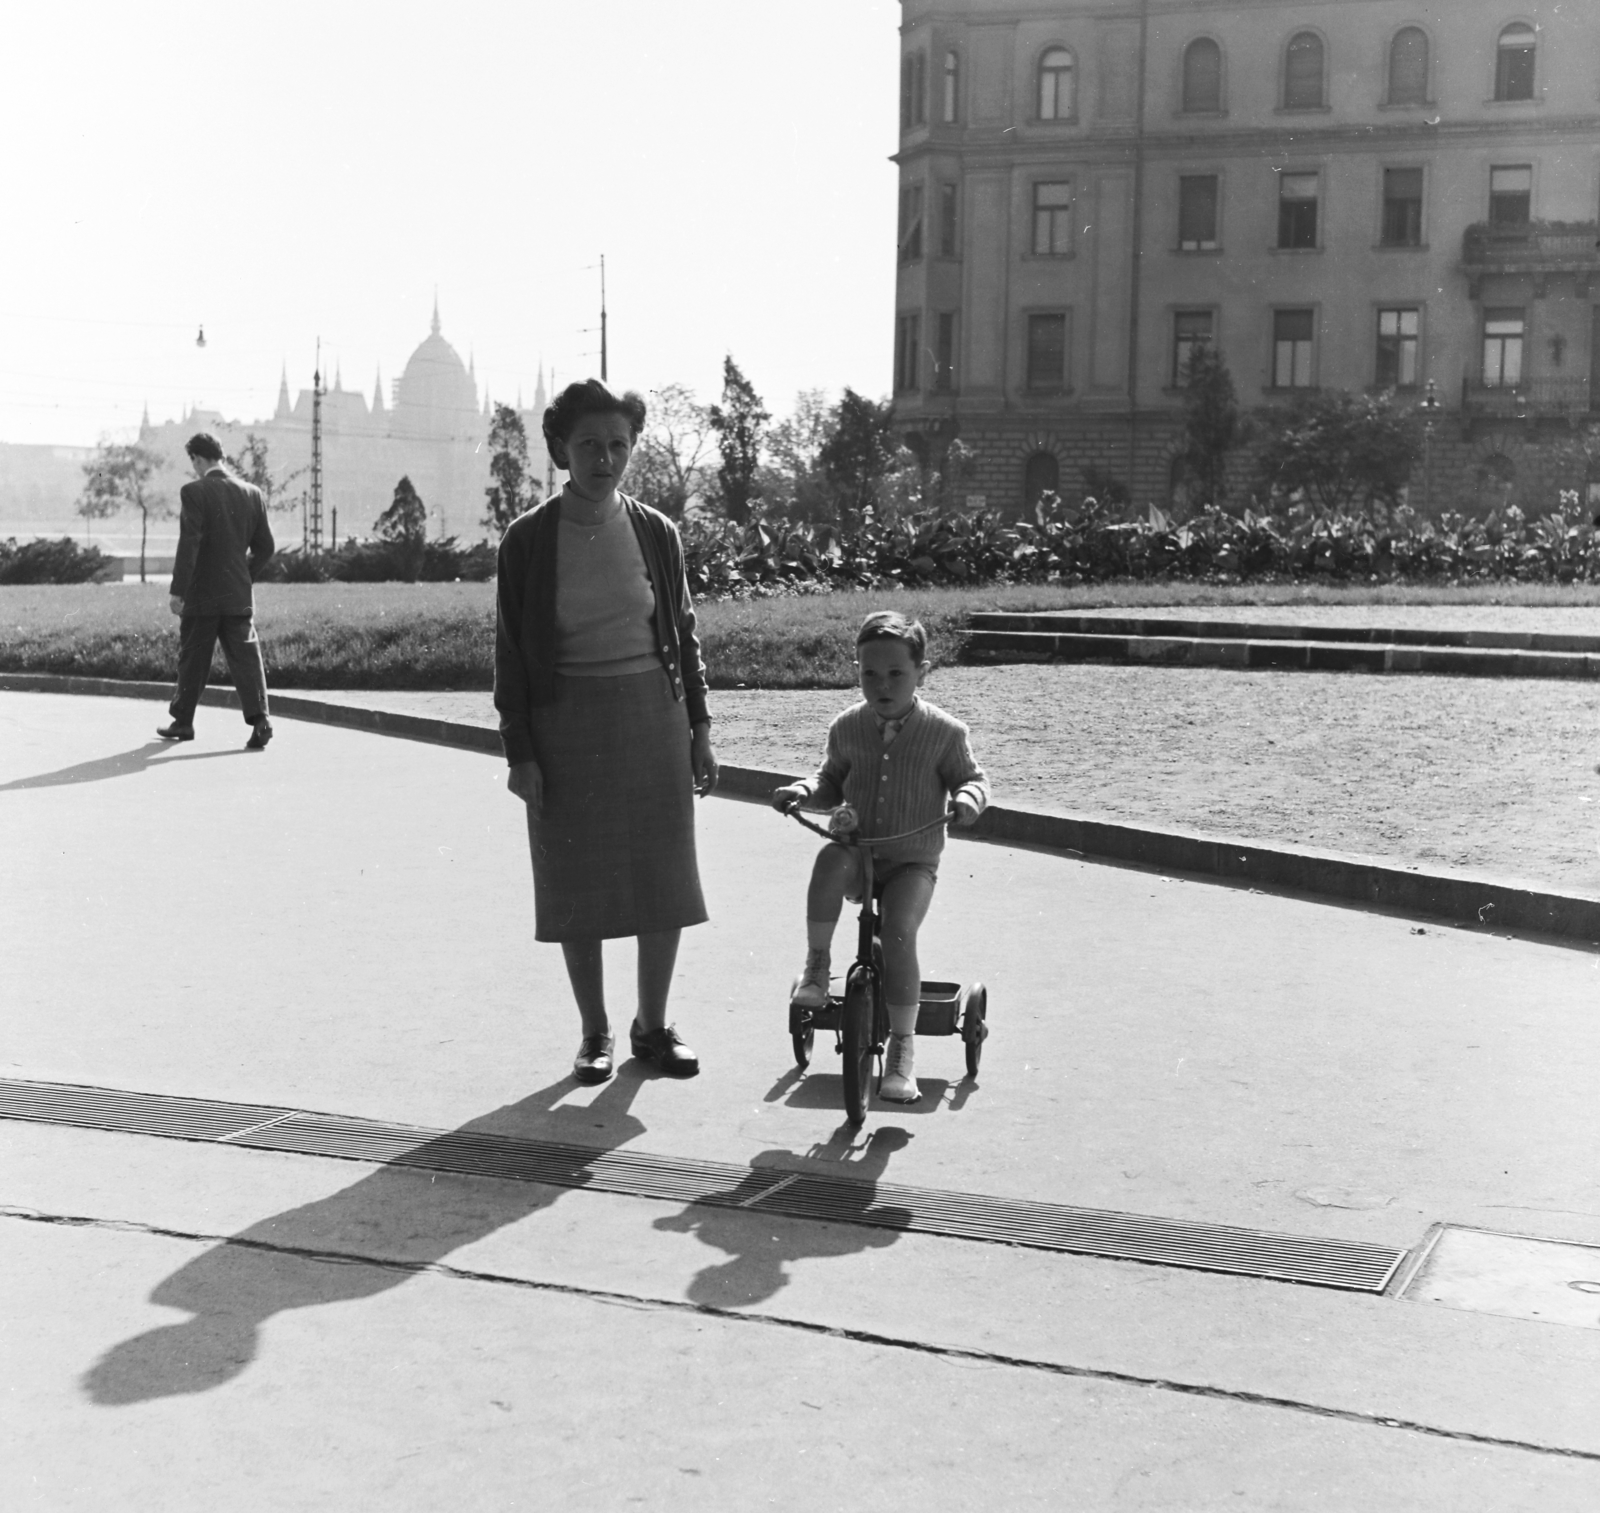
x: 202, y: 444
x: 891, y: 625
x: 591, y: 397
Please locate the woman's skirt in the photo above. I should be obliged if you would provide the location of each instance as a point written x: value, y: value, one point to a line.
x: 613, y: 843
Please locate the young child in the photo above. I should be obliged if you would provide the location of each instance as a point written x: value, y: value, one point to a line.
x: 896, y: 759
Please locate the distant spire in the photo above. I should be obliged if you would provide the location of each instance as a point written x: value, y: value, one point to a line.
x: 338, y: 378
x: 377, y: 393
x: 436, y: 310
x: 539, y: 399
x: 283, y: 412
x: 144, y: 423
x: 519, y: 396
x: 472, y: 370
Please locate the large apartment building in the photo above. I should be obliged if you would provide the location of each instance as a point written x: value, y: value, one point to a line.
x: 1360, y: 194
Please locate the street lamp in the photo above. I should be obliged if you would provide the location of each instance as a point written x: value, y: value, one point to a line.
x: 1430, y: 406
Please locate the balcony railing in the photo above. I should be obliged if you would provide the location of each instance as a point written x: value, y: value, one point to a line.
x: 1536, y: 247
x: 1531, y: 399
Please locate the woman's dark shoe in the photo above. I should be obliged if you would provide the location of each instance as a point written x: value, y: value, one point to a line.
x: 665, y: 1049
x: 593, y: 1061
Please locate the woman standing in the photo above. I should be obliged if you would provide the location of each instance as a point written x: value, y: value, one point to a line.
x: 602, y: 698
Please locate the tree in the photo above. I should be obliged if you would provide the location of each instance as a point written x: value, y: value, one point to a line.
x: 738, y: 421
x: 514, y: 490
x: 118, y: 477
x: 1339, y: 449
x: 251, y: 463
x: 1212, y: 426
x: 859, y: 453
x: 404, y: 525
x: 668, y: 467
x: 792, y: 477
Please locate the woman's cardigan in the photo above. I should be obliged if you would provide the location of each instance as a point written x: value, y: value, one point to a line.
x: 525, y: 622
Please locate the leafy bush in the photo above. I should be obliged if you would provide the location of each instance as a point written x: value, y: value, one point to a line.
x: 1088, y: 545
x: 441, y: 561
x: 62, y: 561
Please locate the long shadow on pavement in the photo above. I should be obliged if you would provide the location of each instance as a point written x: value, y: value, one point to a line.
x: 396, y: 1213
x: 123, y: 764
x: 759, y: 1258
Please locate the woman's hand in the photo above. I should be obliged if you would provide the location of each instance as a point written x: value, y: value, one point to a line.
x: 527, y: 782
x: 703, y: 760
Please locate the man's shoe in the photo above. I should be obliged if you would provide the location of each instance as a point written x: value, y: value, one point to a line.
x: 593, y: 1062
x: 175, y: 732
x: 259, y: 738
x: 899, y: 1083
x: 811, y: 991
x: 665, y: 1048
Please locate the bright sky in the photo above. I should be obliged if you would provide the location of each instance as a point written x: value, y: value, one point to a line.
x: 317, y: 167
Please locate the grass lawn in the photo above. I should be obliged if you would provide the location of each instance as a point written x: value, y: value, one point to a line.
x: 441, y: 635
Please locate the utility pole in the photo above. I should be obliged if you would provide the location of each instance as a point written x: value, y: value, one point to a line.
x: 315, y: 539
x: 604, y: 376
x: 1136, y: 258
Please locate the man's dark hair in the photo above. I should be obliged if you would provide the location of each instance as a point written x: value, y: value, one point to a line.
x: 891, y: 625
x: 203, y: 444
x: 588, y: 398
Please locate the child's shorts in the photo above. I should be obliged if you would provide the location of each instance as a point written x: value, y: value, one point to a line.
x: 885, y: 871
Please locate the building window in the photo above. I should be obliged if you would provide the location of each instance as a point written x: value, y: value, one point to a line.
x: 1302, y: 73
x: 1202, y: 75
x: 1197, y: 212
x: 947, y: 220
x: 1052, y: 219
x: 1047, y: 351
x: 952, y: 87
x: 1191, y: 330
x: 1041, y: 474
x: 913, y: 90
x: 944, y: 355
x: 911, y: 223
x: 1503, y: 331
x: 1292, y: 334
x: 1397, y: 348
x: 907, y: 352
x: 1402, y: 207
x: 1408, y: 67
x: 1510, y: 195
x: 1513, y: 63
x: 1057, y: 96
x: 1297, y: 210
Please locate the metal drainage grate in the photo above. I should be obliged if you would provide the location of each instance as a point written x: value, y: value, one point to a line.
x: 1347, y: 1265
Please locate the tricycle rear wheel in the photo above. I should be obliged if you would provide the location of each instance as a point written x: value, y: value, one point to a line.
x: 975, y: 1025
x: 803, y: 1041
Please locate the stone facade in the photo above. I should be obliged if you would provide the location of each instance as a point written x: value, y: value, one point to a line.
x: 1334, y: 193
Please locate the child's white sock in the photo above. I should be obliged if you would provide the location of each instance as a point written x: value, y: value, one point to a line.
x: 819, y: 934
x: 903, y: 1018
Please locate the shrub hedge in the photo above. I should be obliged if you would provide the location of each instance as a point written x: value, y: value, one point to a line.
x: 442, y: 561
x: 62, y: 561
x: 1087, y: 545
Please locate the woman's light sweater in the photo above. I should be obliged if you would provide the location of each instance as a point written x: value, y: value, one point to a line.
x: 907, y: 783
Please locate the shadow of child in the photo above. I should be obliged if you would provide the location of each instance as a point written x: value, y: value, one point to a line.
x: 762, y: 1246
x: 399, y: 1216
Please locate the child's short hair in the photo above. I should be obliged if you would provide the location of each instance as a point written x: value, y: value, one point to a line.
x: 891, y: 625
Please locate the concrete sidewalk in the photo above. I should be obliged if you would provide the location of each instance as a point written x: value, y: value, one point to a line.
x: 343, y: 923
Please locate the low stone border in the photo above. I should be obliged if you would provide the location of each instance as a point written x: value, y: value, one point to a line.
x: 1461, y: 897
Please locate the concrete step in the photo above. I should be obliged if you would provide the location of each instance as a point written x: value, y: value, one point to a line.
x: 1255, y: 630
x: 1000, y: 646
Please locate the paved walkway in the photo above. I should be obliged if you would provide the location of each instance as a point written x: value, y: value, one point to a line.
x: 342, y: 924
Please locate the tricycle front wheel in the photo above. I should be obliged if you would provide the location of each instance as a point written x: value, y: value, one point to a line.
x: 855, y: 1028
x: 975, y: 1025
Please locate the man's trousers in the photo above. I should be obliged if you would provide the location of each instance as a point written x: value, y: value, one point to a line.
x: 197, y: 638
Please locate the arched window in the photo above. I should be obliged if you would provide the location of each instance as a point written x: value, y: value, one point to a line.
x: 952, y: 86
x: 1202, y: 75
x: 1513, y: 63
x: 913, y: 90
x: 1302, y: 73
x: 1408, y: 67
x: 1057, y: 97
x: 1042, y: 473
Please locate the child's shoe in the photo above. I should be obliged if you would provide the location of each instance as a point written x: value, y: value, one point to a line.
x: 811, y: 992
x: 899, y: 1083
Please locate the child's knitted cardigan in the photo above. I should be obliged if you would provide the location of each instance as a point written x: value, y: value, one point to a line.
x: 897, y: 787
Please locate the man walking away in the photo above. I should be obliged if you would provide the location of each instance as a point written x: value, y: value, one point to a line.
x: 224, y: 543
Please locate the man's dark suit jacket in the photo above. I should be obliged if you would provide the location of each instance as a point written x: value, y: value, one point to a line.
x: 224, y: 543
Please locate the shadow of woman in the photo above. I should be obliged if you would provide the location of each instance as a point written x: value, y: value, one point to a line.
x: 396, y: 1214
x: 122, y: 764
x: 760, y: 1260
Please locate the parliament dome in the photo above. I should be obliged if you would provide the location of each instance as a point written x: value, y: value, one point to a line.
x: 437, y: 394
